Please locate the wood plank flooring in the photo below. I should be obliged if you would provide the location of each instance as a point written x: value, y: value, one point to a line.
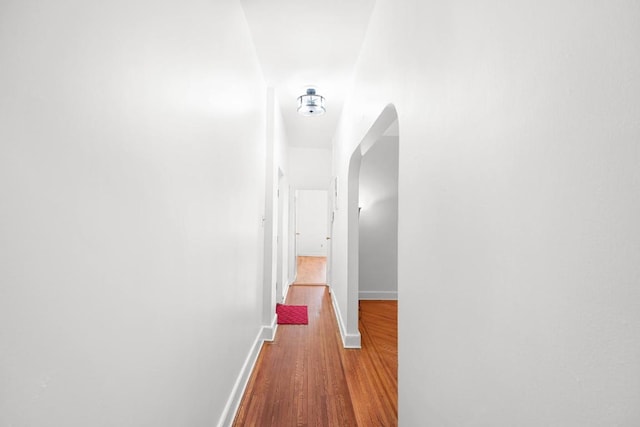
x: 312, y: 270
x: 372, y: 372
x: 306, y: 378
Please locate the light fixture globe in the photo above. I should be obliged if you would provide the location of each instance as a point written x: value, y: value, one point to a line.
x: 311, y: 104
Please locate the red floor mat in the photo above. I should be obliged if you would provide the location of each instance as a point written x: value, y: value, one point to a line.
x: 292, y: 314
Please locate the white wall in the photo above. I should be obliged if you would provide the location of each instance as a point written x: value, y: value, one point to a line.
x: 519, y: 199
x: 278, y: 210
x: 309, y: 168
x: 286, y: 255
x: 378, y: 220
x: 276, y: 257
x: 131, y: 188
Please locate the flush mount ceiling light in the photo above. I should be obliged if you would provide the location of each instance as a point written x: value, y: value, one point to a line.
x: 311, y: 104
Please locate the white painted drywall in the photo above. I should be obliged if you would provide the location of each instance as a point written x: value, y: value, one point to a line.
x: 378, y: 237
x: 132, y: 167
x: 309, y: 168
x: 519, y: 199
x: 285, y: 251
x: 276, y: 257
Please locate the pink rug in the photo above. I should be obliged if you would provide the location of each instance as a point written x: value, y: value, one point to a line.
x: 292, y: 314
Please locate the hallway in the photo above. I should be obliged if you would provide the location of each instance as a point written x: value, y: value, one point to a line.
x: 306, y: 377
x: 153, y: 157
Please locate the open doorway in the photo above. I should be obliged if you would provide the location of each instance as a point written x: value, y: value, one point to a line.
x: 383, y: 253
x: 378, y: 220
x: 311, y: 237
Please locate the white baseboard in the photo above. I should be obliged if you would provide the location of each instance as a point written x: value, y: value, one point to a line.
x: 378, y: 295
x: 348, y: 340
x: 266, y: 333
x: 269, y: 332
x: 286, y: 291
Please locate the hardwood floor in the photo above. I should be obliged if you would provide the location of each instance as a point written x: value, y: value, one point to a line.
x: 306, y: 378
x: 372, y: 372
x: 312, y: 270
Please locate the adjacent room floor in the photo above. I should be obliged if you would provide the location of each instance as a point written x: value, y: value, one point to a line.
x: 312, y: 270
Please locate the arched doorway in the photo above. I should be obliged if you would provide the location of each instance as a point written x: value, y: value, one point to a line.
x: 386, y: 125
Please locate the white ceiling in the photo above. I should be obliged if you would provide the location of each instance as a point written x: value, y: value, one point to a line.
x: 308, y: 43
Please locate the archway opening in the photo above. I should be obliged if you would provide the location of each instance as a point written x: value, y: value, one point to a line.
x: 378, y: 150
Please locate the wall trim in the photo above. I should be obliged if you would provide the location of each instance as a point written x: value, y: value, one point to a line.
x: 348, y: 340
x: 378, y: 295
x: 266, y: 333
x: 286, y: 291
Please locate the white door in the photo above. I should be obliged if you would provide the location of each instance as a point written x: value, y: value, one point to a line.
x: 311, y: 222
